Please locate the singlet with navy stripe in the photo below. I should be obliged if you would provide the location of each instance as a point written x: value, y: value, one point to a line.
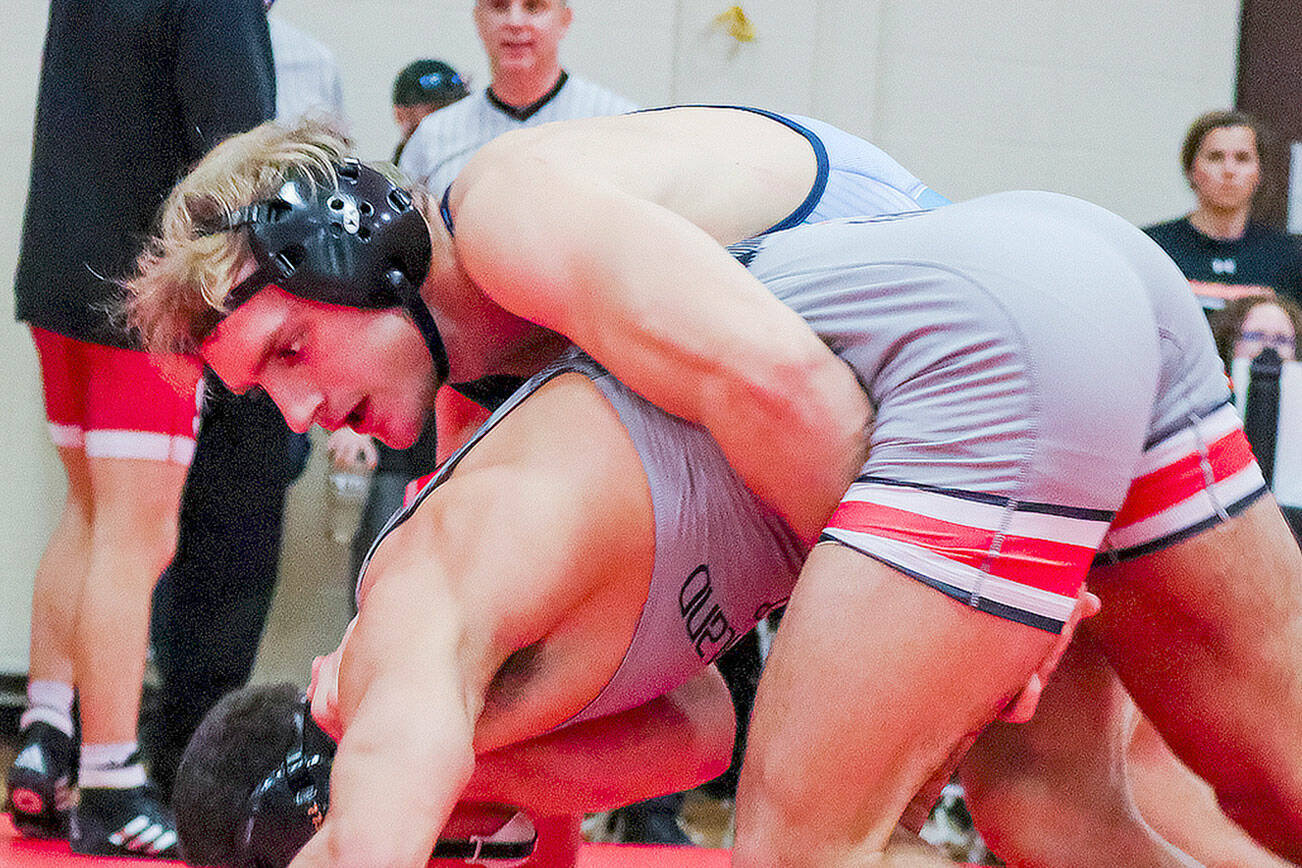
x: 855, y: 178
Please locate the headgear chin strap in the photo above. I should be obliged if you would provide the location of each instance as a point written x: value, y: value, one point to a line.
x: 362, y: 244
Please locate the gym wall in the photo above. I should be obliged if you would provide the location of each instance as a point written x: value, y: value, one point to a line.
x: 972, y: 95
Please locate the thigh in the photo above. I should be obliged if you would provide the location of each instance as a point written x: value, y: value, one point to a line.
x: 874, y: 682
x: 1207, y: 635
x: 63, y: 384
x: 136, y: 500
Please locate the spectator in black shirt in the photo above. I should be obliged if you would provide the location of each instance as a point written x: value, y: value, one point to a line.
x: 1224, y: 254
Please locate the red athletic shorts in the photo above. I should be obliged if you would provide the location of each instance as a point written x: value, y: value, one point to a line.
x: 114, y: 403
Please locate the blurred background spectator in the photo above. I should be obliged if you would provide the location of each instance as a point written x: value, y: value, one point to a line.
x: 421, y: 88
x: 1224, y: 253
x: 131, y: 94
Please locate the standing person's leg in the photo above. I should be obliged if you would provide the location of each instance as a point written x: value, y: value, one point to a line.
x: 110, y: 413
x: 139, y: 437
x: 212, y: 603
x: 40, y: 781
x: 56, y: 595
x: 133, y: 536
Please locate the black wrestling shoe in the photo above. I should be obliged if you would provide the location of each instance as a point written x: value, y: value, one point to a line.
x: 130, y: 822
x: 39, y: 782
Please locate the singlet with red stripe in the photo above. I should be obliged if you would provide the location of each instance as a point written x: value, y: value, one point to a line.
x: 1024, y: 352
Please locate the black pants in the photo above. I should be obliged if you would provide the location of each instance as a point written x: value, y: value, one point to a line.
x: 211, y: 603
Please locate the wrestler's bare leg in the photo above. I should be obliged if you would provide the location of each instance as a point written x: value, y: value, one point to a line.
x: 1182, y: 807
x: 873, y: 681
x: 1207, y: 637
x: 1054, y: 791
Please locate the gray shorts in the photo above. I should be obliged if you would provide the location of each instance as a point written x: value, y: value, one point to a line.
x: 1026, y: 353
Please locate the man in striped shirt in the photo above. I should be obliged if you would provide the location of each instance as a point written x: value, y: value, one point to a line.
x: 522, y: 39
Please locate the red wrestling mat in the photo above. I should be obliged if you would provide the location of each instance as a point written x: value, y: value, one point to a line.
x: 16, y: 852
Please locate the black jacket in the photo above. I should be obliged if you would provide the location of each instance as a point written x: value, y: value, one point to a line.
x: 132, y: 93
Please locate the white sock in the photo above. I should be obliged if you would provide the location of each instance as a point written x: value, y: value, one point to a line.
x: 107, y: 765
x: 49, y: 702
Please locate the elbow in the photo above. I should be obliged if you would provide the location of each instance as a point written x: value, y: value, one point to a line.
x: 806, y: 392
x: 821, y: 394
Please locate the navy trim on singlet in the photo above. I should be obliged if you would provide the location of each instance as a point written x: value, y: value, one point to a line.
x: 1084, y: 513
x: 1183, y: 423
x: 444, y: 212
x: 796, y: 217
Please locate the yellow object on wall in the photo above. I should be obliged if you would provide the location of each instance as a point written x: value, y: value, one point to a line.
x: 733, y: 20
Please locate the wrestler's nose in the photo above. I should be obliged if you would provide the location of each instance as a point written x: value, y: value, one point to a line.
x: 298, y: 403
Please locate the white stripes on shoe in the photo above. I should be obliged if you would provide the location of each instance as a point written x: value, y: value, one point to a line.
x: 144, y: 834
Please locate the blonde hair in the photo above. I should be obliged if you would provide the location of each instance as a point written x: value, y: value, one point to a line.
x: 185, y: 273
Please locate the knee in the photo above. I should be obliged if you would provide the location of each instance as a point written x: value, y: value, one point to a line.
x: 157, y: 541
x: 788, y: 820
x: 145, y: 540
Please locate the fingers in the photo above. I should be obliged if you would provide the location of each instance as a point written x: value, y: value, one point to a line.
x: 1024, y: 704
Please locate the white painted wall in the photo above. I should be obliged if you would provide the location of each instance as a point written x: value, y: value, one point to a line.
x: 1088, y: 98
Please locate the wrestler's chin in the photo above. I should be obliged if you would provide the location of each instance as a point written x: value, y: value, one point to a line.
x: 396, y: 434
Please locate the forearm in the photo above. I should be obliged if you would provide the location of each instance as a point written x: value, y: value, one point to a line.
x: 672, y: 743
x: 400, y: 761
x: 797, y: 437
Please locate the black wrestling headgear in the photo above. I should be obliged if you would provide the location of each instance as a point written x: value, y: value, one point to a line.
x: 361, y: 244
x: 286, y: 809
x: 289, y: 805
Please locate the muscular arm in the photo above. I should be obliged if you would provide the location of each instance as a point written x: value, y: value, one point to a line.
x: 527, y: 532
x: 408, y: 702
x: 665, y: 308
x: 672, y: 743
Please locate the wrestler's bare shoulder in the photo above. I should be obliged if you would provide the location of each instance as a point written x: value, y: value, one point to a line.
x: 573, y: 468
x: 734, y: 173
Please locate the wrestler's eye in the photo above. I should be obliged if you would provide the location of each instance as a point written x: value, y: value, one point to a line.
x: 289, y: 352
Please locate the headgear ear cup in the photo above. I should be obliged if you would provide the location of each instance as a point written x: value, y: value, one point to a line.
x: 287, y: 808
x: 361, y: 244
